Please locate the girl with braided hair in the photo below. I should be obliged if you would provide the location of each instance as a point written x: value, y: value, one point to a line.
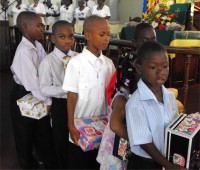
x: 125, y: 85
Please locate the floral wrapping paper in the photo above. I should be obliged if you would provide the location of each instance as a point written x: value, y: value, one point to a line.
x: 91, y: 131
x: 31, y: 107
x: 189, y: 124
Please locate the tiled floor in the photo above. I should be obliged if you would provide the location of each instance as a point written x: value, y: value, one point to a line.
x: 8, y: 158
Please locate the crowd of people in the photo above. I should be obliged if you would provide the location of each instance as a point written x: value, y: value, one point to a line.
x: 50, y: 12
x: 132, y: 94
x: 139, y: 107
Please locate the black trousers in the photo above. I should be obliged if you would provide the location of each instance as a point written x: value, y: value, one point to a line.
x: 138, y: 162
x: 78, y: 159
x: 31, y: 133
x: 60, y: 130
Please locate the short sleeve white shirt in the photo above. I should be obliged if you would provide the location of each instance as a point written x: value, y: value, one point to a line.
x: 25, y: 67
x: 82, y: 14
x: 147, y: 118
x: 88, y: 76
x: 52, y: 10
x: 51, y: 74
x: 16, y: 10
x: 104, y: 12
x: 67, y: 14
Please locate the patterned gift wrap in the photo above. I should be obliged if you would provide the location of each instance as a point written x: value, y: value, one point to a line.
x: 31, y: 107
x: 91, y: 131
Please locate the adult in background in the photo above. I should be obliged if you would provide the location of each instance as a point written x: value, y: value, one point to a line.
x: 90, y: 3
x: 81, y: 12
x: 39, y: 9
x: 67, y: 10
x: 101, y: 10
x: 51, y: 13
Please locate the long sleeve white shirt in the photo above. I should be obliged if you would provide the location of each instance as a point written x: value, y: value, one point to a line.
x: 25, y: 67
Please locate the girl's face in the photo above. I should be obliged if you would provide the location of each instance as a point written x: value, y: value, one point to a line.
x: 154, y: 69
x: 64, y: 38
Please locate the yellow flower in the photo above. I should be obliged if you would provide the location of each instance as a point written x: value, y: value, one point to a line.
x: 162, y: 22
x: 158, y: 15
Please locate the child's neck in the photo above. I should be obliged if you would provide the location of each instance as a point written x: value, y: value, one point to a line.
x: 96, y: 52
x: 28, y: 38
x: 158, y: 93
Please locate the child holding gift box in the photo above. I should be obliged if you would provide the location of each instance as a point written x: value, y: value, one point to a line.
x: 51, y: 75
x: 117, y: 125
x: 86, y: 79
x: 29, y: 132
x: 150, y: 109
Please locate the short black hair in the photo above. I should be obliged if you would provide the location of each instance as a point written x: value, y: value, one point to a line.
x: 58, y: 24
x: 140, y: 28
x: 25, y: 17
x: 147, y: 48
x: 90, y: 21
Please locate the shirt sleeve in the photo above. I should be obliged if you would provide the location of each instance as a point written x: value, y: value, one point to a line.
x: 107, y: 11
x: 71, y: 79
x: 28, y: 75
x: 137, y: 125
x: 47, y: 87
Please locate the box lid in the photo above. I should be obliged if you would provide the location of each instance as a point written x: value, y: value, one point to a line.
x: 28, y: 101
x: 189, y: 125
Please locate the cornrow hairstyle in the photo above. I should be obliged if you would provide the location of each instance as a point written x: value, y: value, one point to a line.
x: 147, y: 48
x: 126, y: 73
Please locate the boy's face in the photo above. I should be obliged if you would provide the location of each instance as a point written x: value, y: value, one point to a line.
x: 154, y: 69
x: 148, y: 34
x: 35, y: 29
x: 64, y: 38
x: 98, y: 36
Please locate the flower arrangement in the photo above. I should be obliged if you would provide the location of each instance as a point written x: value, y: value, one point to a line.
x: 160, y: 17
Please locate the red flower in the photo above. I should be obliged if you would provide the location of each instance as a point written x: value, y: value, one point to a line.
x: 18, y: 7
x: 162, y: 27
x: 162, y: 9
x: 149, y: 10
x: 157, y: 19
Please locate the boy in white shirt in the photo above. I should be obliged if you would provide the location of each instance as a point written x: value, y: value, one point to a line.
x: 51, y: 76
x: 30, y: 132
x: 86, y: 79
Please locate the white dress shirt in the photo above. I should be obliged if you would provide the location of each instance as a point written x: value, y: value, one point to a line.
x: 25, y: 67
x: 82, y: 14
x: 40, y: 8
x: 67, y: 14
x: 50, y: 20
x: 51, y: 74
x: 104, y: 12
x: 16, y: 10
x: 90, y: 4
x: 147, y: 118
x: 89, y: 76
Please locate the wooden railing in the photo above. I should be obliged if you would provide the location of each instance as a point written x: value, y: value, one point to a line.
x: 187, y: 54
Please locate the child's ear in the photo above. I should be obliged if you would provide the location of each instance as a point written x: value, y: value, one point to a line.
x: 87, y: 35
x: 53, y: 39
x: 138, y: 68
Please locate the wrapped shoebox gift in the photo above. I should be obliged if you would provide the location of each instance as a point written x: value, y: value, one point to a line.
x: 91, y: 130
x: 182, y: 139
x: 31, y: 107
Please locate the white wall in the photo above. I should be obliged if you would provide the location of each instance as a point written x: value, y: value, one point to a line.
x: 129, y: 8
